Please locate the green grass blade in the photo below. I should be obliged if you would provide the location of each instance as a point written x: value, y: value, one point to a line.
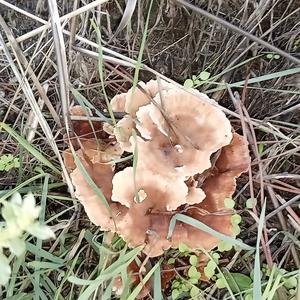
x: 256, y: 79
x: 101, y: 72
x: 13, y: 279
x: 43, y: 265
x: 195, y: 223
x: 298, y: 287
x: 134, y: 165
x: 269, y: 283
x: 39, y: 243
x: 85, y: 102
x: 139, y: 287
x: 275, y: 287
x: 108, y: 291
x: 226, y: 70
x: 43, y: 253
x: 157, y: 284
x: 141, y: 52
x: 257, y: 294
x: 89, y: 180
x: 113, y: 270
x: 29, y: 148
x: 17, y: 188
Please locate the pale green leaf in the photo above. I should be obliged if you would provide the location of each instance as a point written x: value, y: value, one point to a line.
x: 194, y: 292
x: 204, y: 75
x: 236, y: 219
x: 224, y: 246
x: 193, y: 260
x: 229, y: 203
x: 171, y: 261
x: 290, y: 283
x: 221, y: 283
x: 183, y: 248
x: 175, y: 294
x: 193, y: 280
x: 193, y: 272
x: 188, y: 83
x: 251, y: 203
x: 236, y: 229
x: 210, y: 269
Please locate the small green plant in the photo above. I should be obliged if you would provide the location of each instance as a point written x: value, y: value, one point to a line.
x: 20, y: 216
x: 186, y: 286
x: 210, y: 269
x: 8, y: 162
x: 272, y: 56
x: 197, y: 80
x: 251, y: 203
x: 272, y: 280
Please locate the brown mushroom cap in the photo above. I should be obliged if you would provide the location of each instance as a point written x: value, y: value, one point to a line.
x: 174, y: 143
x: 147, y: 223
x: 232, y: 162
x: 93, y: 204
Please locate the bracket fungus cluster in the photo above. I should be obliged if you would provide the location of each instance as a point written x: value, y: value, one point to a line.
x: 187, y: 159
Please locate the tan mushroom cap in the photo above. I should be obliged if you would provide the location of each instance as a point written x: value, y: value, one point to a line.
x: 144, y: 124
x: 167, y: 155
x: 192, y: 130
x: 95, y: 150
x: 123, y: 132
x: 133, y: 103
x: 155, y: 86
x: 118, y: 103
x: 136, y: 97
x: 92, y: 141
x: 158, y: 193
x: 141, y: 95
x: 147, y: 223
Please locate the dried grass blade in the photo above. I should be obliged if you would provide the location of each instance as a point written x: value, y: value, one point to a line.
x: 130, y: 6
x: 61, y: 58
x: 34, y: 106
x: 257, y: 293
